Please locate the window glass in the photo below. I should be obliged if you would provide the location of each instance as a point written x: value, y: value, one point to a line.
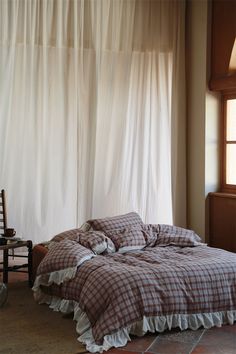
x: 231, y: 164
x: 231, y: 120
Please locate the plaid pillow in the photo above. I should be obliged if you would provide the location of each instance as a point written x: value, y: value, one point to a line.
x: 150, y: 232
x: 96, y: 241
x: 177, y: 236
x: 64, y: 255
x: 116, y: 222
x: 127, y: 239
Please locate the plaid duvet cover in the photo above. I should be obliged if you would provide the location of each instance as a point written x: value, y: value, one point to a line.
x: 117, y: 290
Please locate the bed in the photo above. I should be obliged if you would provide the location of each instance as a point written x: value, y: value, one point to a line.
x: 120, y: 276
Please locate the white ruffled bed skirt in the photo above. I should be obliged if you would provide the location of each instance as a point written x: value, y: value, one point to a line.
x: 147, y: 324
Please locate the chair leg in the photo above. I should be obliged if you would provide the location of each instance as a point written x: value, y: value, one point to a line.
x: 30, y: 246
x: 5, y: 266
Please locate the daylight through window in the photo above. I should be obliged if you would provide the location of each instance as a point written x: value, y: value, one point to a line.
x: 230, y: 142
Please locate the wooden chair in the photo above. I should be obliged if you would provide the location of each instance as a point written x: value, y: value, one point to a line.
x: 3, y: 213
x: 10, y: 247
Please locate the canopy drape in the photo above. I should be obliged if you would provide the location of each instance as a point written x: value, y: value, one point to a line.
x: 92, y: 112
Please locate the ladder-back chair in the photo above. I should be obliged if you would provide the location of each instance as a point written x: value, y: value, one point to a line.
x: 3, y: 213
x: 10, y: 247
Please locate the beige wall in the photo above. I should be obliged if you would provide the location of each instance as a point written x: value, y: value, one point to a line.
x: 202, y: 117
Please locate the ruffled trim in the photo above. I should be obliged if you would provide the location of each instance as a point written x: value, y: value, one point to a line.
x: 139, y: 328
x: 157, y: 324
x: 59, y: 276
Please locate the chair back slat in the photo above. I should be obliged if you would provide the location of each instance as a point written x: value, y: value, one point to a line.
x: 3, y: 212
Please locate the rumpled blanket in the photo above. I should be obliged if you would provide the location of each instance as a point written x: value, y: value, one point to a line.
x: 119, y: 289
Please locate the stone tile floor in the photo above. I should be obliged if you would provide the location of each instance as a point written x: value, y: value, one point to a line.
x: 203, y: 341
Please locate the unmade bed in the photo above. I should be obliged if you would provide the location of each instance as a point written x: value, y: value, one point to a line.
x: 123, y: 277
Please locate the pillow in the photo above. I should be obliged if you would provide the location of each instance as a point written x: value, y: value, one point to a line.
x: 177, y: 236
x: 64, y: 255
x: 116, y: 222
x: 127, y: 239
x: 96, y: 241
x: 150, y: 232
x: 85, y: 227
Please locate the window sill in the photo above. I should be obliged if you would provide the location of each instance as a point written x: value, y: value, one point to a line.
x: 224, y: 194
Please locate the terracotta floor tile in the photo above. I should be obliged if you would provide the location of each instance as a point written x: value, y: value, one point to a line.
x: 121, y: 351
x: 14, y: 277
x: 223, y: 337
x: 177, y: 335
x: 204, y: 349
x: 225, y: 328
x: 140, y: 343
x: 162, y: 346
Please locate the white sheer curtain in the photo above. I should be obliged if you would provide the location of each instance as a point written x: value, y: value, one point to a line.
x: 92, y: 119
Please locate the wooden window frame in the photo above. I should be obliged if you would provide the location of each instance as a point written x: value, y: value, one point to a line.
x: 225, y: 187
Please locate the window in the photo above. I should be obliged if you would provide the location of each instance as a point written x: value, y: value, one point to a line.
x: 229, y: 144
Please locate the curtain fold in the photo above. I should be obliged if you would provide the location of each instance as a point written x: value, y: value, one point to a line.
x: 92, y: 119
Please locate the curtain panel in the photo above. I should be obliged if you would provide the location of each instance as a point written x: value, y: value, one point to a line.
x: 92, y: 112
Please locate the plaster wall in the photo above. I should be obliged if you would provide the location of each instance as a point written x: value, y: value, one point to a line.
x: 202, y: 118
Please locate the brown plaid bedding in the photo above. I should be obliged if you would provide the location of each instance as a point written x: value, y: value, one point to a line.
x: 151, y: 233
x: 116, y: 222
x: 119, y: 289
x: 64, y: 254
x: 96, y: 241
x: 131, y: 237
x: 174, y: 235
